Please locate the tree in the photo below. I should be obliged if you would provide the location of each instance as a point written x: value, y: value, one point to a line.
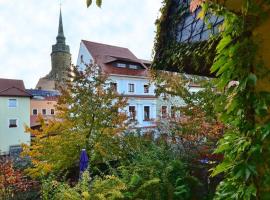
x: 12, y: 180
x: 90, y: 115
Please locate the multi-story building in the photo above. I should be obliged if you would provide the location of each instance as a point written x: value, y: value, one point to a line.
x: 130, y: 78
x: 42, y: 104
x: 128, y: 75
x: 14, y: 115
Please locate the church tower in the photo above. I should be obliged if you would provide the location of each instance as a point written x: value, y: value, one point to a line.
x: 60, y: 62
x: 60, y: 56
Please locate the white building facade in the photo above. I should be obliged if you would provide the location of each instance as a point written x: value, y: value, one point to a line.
x: 129, y: 77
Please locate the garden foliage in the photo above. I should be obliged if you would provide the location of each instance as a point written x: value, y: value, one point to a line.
x: 90, y: 116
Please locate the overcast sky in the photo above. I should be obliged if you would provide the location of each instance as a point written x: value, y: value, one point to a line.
x: 28, y: 29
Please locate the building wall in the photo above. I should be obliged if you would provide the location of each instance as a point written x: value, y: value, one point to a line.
x: 139, y: 104
x: 14, y: 136
x: 170, y: 101
x: 84, y: 57
x: 40, y: 104
x: 139, y: 82
x: 138, y: 98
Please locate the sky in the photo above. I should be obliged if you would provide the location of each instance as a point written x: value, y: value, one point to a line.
x: 28, y: 29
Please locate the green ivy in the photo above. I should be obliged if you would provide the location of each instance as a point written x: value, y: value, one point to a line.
x: 195, y: 58
x: 245, y: 144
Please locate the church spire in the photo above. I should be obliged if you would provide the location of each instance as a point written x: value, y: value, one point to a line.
x: 60, y: 37
x: 60, y: 45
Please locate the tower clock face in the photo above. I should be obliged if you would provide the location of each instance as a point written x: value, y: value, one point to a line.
x: 192, y: 29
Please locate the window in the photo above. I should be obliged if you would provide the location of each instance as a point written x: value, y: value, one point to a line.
x: 82, y: 59
x: 132, y: 112
x: 146, y: 88
x: 146, y: 113
x: 131, y: 87
x: 35, y: 112
x: 164, y: 111
x: 52, y: 111
x: 122, y: 65
x: 44, y: 112
x: 12, y: 103
x: 13, y: 123
x: 131, y: 66
x: 113, y: 87
x: 172, y: 112
x: 15, y: 150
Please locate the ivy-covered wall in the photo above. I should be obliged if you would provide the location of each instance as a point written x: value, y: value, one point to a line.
x: 170, y: 54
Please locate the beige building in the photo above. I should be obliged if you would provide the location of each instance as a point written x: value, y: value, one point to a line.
x: 42, y: 104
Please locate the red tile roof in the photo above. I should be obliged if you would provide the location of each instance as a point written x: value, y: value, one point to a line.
x: 104, y: 55
x: 34, y: 119
x: 12, y: 87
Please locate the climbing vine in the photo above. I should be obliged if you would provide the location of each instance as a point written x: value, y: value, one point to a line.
x: 245, y: 144
x: 194, y: 58
x: 233, y: 55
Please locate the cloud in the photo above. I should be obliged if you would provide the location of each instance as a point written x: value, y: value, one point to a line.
x: 28, y: 29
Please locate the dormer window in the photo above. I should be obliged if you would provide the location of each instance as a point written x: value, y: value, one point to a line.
x: 132, y: 66
x: 121, y: 65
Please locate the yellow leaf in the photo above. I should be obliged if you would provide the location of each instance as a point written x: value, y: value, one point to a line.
x: 201, y: 14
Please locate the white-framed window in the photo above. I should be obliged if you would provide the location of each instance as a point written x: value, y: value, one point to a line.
x: 146, y: 113
x: 173, y: 112
x: 52, y: 111
x: 121, y: 65
x: 13, y: 123
x: 132, y: 112
x: 12, y: 103
x: 164, y: 111
x: 44, y: 111
x: 146, y: 88
x: 34, y: 111
x: 131, y: 87
x: 113, y: 87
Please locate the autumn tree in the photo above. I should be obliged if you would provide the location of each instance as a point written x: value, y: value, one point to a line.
x: 90, y: 115
x: 12, y: 180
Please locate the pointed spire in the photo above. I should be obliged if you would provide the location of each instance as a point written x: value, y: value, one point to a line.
x: 60, y: 45
x: 60, y: 37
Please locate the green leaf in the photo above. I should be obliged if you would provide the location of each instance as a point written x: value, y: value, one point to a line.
x: 224, y: 43
x: 88, y: 3
x: 99, y: 2
x: 252, y: 79
x: 223, y: 167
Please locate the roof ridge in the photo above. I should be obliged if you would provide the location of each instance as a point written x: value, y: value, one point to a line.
x: 24, y: 90
x: 107, y: 45
x: 11, y: 79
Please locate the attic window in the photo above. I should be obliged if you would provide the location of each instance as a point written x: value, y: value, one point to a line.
x: 122, y: 65
x: 132, y: 66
